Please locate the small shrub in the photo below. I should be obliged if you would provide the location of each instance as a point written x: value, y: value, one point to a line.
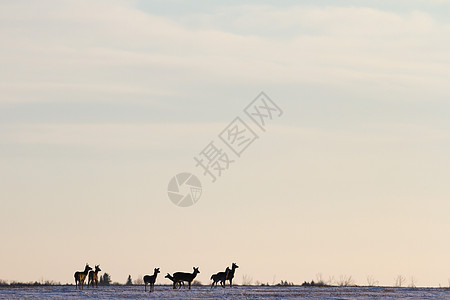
x: 197, y: 283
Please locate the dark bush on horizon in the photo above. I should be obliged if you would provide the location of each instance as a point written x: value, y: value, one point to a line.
x: 312, y: 283
x: 105, y: 279
x: 285, y: 283
x: 31, y: 283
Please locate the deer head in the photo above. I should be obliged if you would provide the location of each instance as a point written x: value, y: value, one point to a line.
x: 87, y: 268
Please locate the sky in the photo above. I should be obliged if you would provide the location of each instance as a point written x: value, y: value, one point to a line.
x: 103, y: 102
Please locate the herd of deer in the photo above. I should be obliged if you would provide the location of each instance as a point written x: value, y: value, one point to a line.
x: 178, y: 278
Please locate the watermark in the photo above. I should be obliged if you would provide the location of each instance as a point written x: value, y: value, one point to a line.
x: 220, y: 154
x: 184, y: 189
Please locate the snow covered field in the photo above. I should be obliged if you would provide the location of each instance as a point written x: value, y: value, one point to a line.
x: 204, y: 292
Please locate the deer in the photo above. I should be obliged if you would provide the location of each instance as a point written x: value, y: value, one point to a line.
x: 181, y: 276
x: 221, y: 276
x: 93, y: 276
x: 81, y: 276
x: 230, y: 274
x: 150, y: 279
x: 175, y: 283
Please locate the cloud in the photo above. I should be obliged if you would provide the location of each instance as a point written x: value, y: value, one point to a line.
x: 171, y: 135
x: 110, y: 136
x: 116, y: 48
x: 273, y: 21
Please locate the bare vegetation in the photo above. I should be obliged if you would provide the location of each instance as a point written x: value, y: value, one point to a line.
x: 399, y: 281
x: 346, y: 280
x: 247, y: 280
x: 371, y: 281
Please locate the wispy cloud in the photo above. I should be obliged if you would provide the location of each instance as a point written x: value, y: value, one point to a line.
x: 109, y: 136
x: 116, y: 48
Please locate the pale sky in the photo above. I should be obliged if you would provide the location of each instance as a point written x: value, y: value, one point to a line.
x: 102, y: 102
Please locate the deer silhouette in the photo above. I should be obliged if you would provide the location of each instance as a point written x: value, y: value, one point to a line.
x: 188, y: 277
x: 81, y: 276
x: 175, y: 283
x: 150, y: 279
x: 220, y: 277
x: 93, y: 276
x: 230, y: 274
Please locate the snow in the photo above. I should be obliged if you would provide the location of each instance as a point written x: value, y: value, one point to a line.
x: 237, y: 292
